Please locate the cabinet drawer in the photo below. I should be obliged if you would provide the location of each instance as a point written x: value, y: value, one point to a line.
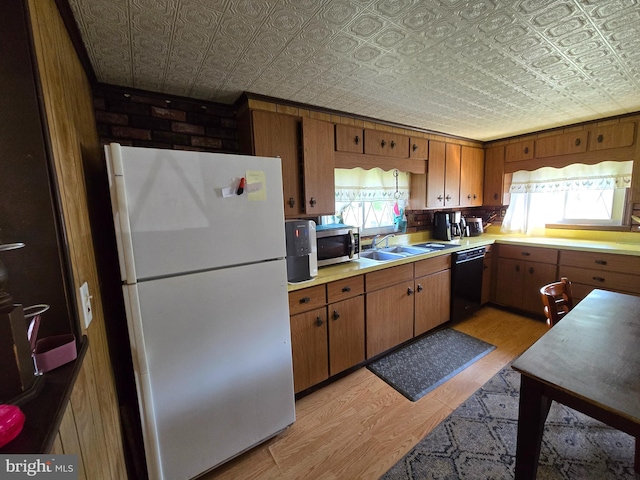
x: 612, y: 136
x: 389, y: 276
x: 307, y: 299
x: 530, y: 254
x: 601, y: 261
x: 515, y: 152
x: 624, y: 282
x: 343, y: 289
x: 565, y: 144
x: 432, y: 265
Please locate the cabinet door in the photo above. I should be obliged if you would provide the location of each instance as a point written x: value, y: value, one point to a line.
x: 432, y: 301
x: 276, y: 135
x: 309, y: 348
x: 509, y: 282
x: 349, y: 139
x: 389, y: 317
x: 318, y: 160
x: 346, y: 334
x: 452, y: 175
x: 515, y: 152
x: 564, y: 144
x: 435, y: 175
x: 612, y: 136
x: 494, y: 177
x: 418, y: 148
x: 379, y: 142
x: 471, y: 176
x: 536, y: 276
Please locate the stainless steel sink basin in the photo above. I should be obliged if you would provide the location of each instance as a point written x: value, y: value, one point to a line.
x: 406, y: 250
x: 380, y: 255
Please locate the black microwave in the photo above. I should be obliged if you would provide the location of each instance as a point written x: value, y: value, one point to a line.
x: 337, y: 243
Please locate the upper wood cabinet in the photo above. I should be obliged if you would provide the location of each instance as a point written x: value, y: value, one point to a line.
x: 515, y: 152
x: 564, y: 144
x: 440, y: 187
x: 494, y: 177
x: 276, y: 135
x: 349, y: 139
x: 318, y: 164
x: 471, y: 176
x: 612, y: 136
x: 418, y: 148
x: 378, y: 142
x: 307, y: 176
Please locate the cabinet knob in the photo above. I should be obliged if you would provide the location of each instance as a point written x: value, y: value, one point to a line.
x: 531, y: 270
x: 357, y: 139
x: 383, y: 143
x: 475, y: 196
x: 440, y: 197
x: 420, y: 287
x: 336, y: 315
x: 393, y: 144
x: 469, y: 197
x: 346, y: 289
x: 312, y: 202
x: 414, y: 147
x: 447, y: 198
x: 577, y: 142
x: 495, y: 196
x: 526, y: 254
x: 600, y: 138
x: 517, y: 268
x: 291, y: 202
x: 601, y: 262
x: 305, y: 300
x: 409, y: 291
x: 526, y: 149
x: 599, y: 279
x: 319, y: 322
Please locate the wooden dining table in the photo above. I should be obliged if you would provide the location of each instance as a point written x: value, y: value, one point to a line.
x: 589, y: 361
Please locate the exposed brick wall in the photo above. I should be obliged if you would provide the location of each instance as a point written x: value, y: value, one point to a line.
x: 146, y: 119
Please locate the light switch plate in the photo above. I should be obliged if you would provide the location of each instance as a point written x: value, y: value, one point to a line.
x: 85, y: 298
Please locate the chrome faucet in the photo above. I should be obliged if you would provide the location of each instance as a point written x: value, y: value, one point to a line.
x: 375, y: 242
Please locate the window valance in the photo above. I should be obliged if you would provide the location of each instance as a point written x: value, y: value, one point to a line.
x: 358, y: 184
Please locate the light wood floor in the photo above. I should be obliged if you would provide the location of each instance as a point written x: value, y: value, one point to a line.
x: 358, y: 427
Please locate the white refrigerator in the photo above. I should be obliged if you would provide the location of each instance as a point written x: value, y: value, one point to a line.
x: 205, y: 288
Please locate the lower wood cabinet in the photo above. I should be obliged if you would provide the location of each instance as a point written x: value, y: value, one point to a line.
x: 346, y: 334
x: 521, y: 272
x: 309, y: 348
x: 606, y: 271
x: 432, y: 293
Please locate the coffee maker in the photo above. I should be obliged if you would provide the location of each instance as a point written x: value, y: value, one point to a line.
x: 449, y: 226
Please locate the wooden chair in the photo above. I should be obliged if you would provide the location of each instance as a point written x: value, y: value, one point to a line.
x: 557, y: 300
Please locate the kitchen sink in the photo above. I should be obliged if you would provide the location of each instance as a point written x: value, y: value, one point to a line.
x: 380, y: 255
x: 405, y: 250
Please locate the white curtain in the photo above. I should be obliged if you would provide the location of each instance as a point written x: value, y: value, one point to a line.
x: 537, y: 197
x: 358, y: 184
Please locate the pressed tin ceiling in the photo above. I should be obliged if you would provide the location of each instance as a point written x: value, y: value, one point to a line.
x: 483, y: 69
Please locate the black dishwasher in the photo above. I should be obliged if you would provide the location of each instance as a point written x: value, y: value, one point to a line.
x: 466, y: 282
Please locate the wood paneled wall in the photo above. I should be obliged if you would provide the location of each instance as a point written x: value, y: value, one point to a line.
x: 91, y: 425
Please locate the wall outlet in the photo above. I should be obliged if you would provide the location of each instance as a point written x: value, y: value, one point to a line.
x: 85, y: 298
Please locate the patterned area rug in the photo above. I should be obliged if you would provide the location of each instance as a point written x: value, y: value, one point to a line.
x: 478, y: 441
x: 421, y: 366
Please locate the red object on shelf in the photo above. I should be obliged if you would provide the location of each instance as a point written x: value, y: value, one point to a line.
x: 11, y: 423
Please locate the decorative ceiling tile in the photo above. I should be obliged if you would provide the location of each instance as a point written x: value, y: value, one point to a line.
x: 484, y: 69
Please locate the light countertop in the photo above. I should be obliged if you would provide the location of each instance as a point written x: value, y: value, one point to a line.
x: 627, y: 245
